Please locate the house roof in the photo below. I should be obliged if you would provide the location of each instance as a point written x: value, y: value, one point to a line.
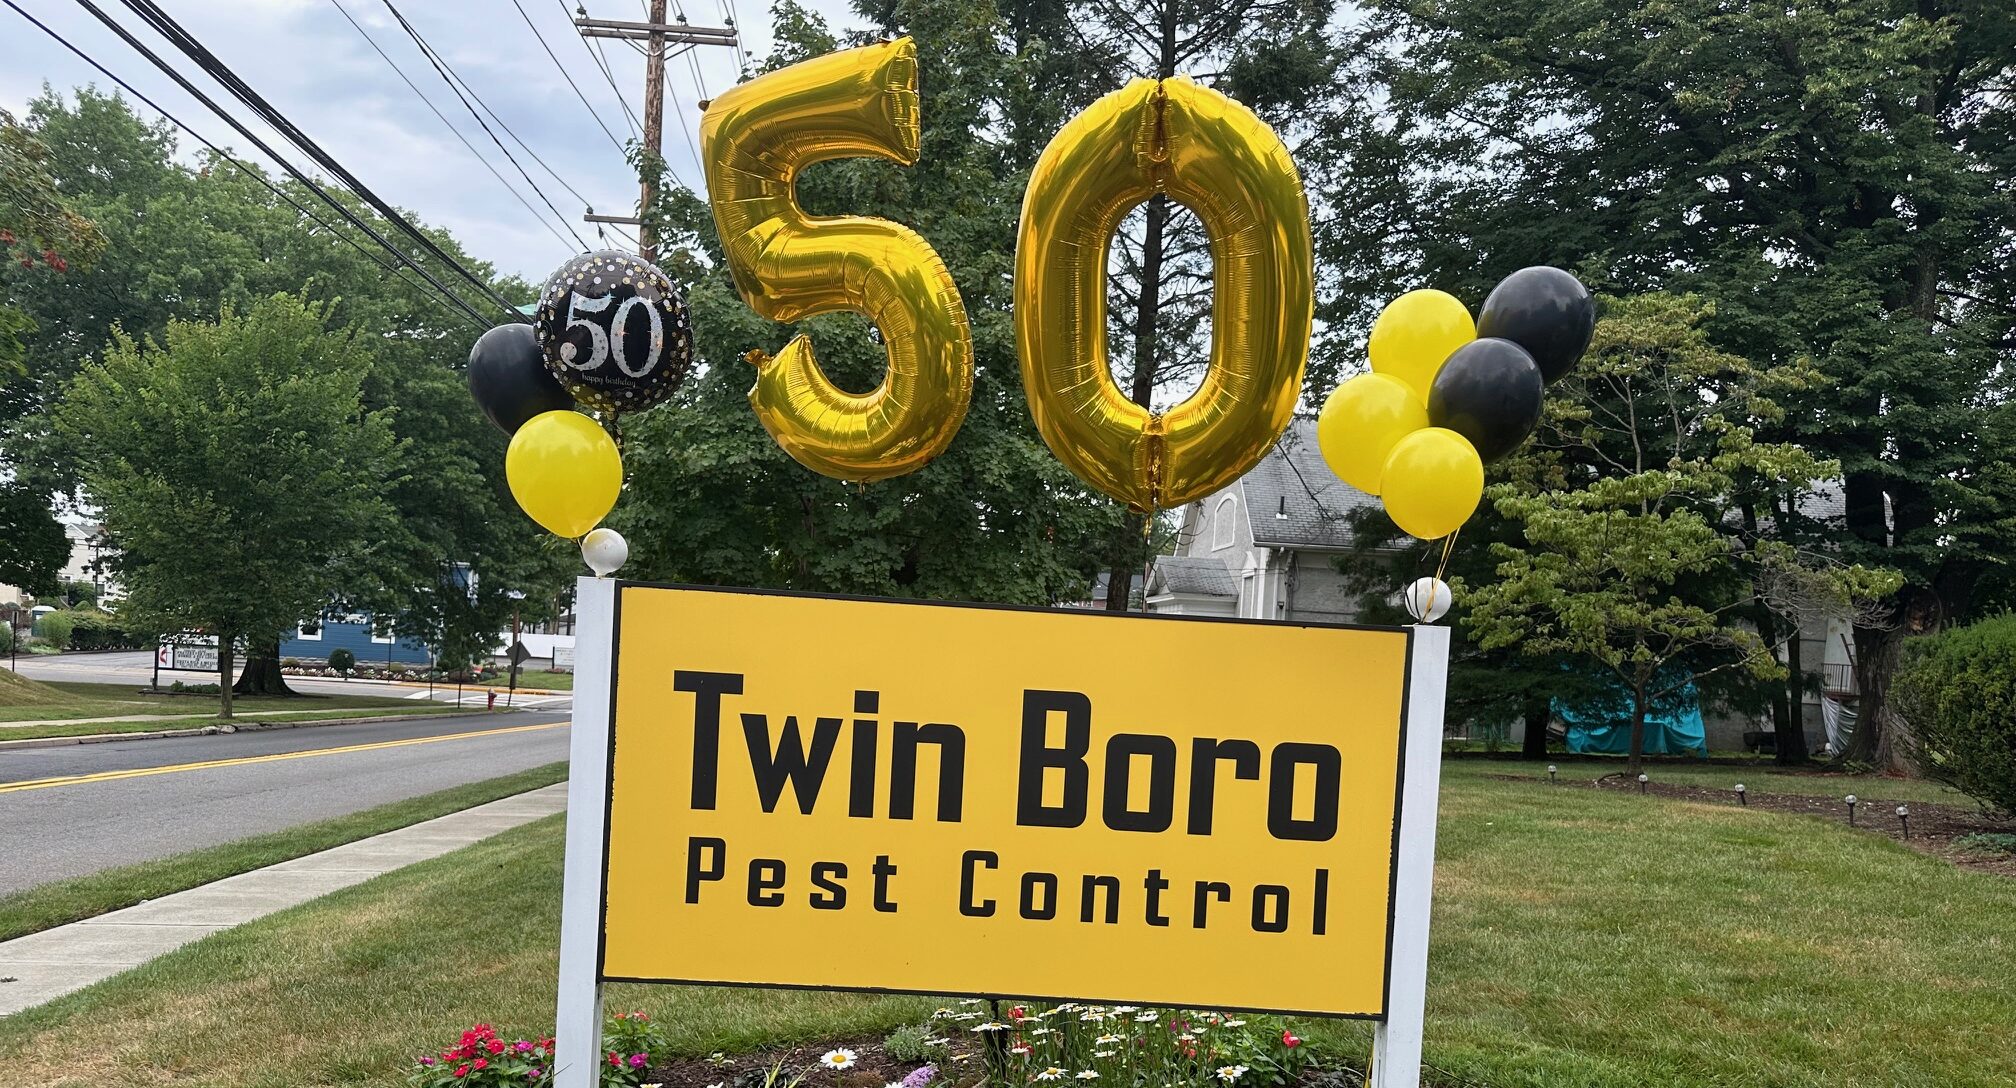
x: 1199, y: 575
x: 1293, y: 479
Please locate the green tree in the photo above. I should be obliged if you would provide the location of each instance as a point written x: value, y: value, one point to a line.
x: 1632, y: 556
x: 1835, y: 177
x: 712, y: 499
x: 184, y: 242
x: 238, y: 468
x: 38, y: 230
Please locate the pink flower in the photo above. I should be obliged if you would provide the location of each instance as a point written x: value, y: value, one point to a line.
x: 1289, y: 1040
x: 636, y: 1061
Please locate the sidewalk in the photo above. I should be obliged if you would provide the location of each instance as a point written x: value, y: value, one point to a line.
x: 44, y: 966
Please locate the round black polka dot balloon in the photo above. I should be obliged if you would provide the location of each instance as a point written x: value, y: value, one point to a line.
x: 614, y: 331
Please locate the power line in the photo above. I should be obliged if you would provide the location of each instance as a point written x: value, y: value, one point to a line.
x: 468, y: 313
x: 487, y: 165
x: 564, y: 74
x: 442, y: 69
x: 163, y: 23
x: 262, y: 145
x: 602, y: 61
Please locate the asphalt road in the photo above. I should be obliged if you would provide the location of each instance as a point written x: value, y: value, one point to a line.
x: 137, y: 667
x: 144, y: 799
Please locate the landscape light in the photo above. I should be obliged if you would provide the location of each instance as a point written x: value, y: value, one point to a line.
x: 1642, y: 779
x: 1550, y: 772
x: 1851, y: 810
x: 1742, y: 795
x: 1904, y: 817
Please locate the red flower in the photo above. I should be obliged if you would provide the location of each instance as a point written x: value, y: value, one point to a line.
x: 59, y: 264
x: 1289, y: 1040
x: 494, y: 1046
x: 1017, y: 1013
x: 482, y: 1063
x: 461, y: 1070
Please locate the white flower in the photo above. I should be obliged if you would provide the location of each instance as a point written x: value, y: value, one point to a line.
x: 969, y: 1001
x: 967, y: 1015
x: 1104, y: 1053
x: 1107, y: 1038
x: 838, y: 1059
x: 1051, y: 1073
x: 1125, y: 1008
x: 989, y: 1026
x: 938, y: 1042
x: 962, y: 1057
x: 1230, y: 1073
x: 1087, y: 1074
x: 1186, y: 1038
x: 1146, y: 1017
x: 892, y: 1084
x: 1235, y: 1023
x: 1068, y: 1006
x: 942, y: 1012
x: 1092, y: 1016
x: 1020, y: 1048
x: 1041, y: 1031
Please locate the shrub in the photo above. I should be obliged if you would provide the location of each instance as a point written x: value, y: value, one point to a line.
x: 1048, y: 1046
x: 6, y: 638
x: 95, y: 630
x: 342, y: 660
x: 1957, y: 691
x: 55, y: 629
x: 916, y: 1043
x: 195, y: 689
x: 291, y: 663
x: 1986, y: 842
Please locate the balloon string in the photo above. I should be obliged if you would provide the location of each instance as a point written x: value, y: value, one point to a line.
x: 1448, y: 545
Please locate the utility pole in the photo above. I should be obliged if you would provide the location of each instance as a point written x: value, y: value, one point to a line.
x: 655, y: 35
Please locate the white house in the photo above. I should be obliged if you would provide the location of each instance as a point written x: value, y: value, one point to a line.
x: 1265, y: 546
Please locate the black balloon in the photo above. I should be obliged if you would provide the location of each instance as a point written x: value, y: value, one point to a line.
x: 509, y: 378
x: 1489, y: 391
x: 614, y: 331
x: 1544, y: 310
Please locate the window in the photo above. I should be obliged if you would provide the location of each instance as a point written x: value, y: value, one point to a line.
x: 381, y: 639
x: 1223, y: 533
x: 310, y: 631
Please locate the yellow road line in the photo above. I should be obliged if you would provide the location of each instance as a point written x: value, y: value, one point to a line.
x: 143, y: 772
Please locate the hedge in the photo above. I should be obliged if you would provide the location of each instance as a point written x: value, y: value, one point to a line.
x: 1956, y: 690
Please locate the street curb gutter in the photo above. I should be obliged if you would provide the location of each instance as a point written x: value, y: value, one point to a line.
x: 249, y: 726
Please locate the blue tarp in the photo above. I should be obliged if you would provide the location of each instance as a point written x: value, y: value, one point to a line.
x: 1602, y: 722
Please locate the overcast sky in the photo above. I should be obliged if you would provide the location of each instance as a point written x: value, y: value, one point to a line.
x: 311, y: 64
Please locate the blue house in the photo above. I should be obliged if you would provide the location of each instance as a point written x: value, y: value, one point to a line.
x: 315, y: 641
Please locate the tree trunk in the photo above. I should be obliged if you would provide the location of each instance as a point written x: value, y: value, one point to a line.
x: 1637, y: 729
x: 1792, y: 695
x: 1877, y: 740
x: 224, y: 663
x: 262, y: 675
x: 1539, y: 711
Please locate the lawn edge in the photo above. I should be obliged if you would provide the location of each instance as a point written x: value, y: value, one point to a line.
x: 422, y: 808
x: 249, y: 725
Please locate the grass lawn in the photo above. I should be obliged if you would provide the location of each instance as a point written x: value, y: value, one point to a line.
x: 536, y: 678
x: 94, y: 728
x: 89, y: 896
x: 63, y: 699
x: 1583, y: 939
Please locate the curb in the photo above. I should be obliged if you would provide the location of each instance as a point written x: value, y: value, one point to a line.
x: 250, y: 726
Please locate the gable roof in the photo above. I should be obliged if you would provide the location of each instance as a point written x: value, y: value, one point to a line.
x: 1194, y: 574
x: 1293, y: 479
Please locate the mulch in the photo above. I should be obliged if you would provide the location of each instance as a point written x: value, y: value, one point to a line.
x: 872, y: 1068
x: 1934, y: 827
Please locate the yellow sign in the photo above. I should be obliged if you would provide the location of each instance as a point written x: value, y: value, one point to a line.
x: 877, y: 795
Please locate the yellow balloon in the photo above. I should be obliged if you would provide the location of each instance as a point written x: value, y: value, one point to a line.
x: 1216, y: 157
x: 564, y: 471
x: 789, y: 266
x: 1416, y: 333
x: 1433, y: 482
x: 1362, y: 421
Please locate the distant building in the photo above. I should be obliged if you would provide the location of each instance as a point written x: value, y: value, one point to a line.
x: 1265, y: 546
x: 315, y: 640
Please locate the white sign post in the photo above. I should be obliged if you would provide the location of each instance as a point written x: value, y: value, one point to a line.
x: 577, y: 1058
x: 1396, y: 1040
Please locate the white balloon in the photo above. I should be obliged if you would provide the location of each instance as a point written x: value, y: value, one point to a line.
x: 1428, y: 599
x: 605, y: 551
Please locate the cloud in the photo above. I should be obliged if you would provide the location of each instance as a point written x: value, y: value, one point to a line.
x: 311, y: 64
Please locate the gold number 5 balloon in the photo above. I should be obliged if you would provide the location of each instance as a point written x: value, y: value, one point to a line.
x: 1213, y: 155
x: 789, y: 266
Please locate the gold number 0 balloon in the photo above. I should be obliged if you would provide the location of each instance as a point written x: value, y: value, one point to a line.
x: 789, y: 266
x: 1214, y: 156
